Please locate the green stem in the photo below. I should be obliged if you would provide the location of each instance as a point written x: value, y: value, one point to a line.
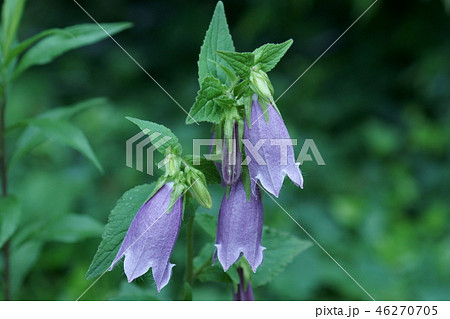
x: 4, y: 178
x: 189, y: 277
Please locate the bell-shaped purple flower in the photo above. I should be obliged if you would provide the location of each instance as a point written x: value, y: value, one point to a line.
x: 239, y: 228
x: 151, y: 237
x: 269, y: 150
x: 244, y: 291
x: 231, y: 158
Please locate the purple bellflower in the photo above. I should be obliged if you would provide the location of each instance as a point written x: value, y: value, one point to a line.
x: 244, y: 292
x: 151, y: 237
x: 270, y: 155
x: 239, y: 228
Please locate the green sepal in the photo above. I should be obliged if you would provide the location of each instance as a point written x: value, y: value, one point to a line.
x: 178, y: 190
x: 242, y: 89
x: 246, y: 182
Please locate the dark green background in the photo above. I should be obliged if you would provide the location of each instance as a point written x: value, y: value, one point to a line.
x: 376, y: 105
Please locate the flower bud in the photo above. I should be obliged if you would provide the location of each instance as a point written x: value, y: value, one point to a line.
x: 231, y: 157
x: 172, y: 163
x: 260, y: 84
x: 197, y: 182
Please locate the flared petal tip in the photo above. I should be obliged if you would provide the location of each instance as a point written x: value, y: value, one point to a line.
x: 164, y: 280
x: 257, y: 261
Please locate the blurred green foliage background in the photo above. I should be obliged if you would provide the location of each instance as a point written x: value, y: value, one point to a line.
x: 376, y: 105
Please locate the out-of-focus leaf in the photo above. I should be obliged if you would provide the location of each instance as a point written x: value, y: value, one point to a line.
x: 217, y: 38
x: 281, y: 249
x: 160, y: 136
x: 268, y: 55
x: 207, y: 222
x: 73, y: 37
x: 72, y: 228
x: 9, y: 217
x: 11, y: 14
x: 115, y: 230
x: 33, y: 137
x: 132, y: 292
x: 24, y: 45
x: 66, y: 134
x: 204, y: 268
x: 23, y: 259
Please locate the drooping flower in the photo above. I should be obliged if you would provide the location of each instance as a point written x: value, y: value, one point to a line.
x: 269, y: 150
x: 151, y: 237
x: 239, y: 228
x: 231, y: 158
x: 244, y: 290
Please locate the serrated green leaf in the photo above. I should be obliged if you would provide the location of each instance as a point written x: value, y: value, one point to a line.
x: 204, y: 108
x: 32, y: 136
x: 208, y: 168
x: 74, y: 37
x: 115, y: 230
x: 217, y: 38
x: 160, y: 136
x: 268, y: 55
x: 9, y: 217
x: 11, y: 15
x: 240, y: 62
x: 282, y: 248
x: 67, y: 134
x: 72, y: 228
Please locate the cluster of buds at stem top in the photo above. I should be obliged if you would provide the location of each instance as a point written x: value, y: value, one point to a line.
x: 261, y: 85
x: 231, y: 149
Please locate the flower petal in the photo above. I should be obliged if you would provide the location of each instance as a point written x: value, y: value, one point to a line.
x: 276, y: 165
x: 239, y: 228
x: 151, y: 237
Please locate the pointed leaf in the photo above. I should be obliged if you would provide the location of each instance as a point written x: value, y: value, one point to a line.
x: 11, y: 15
x: 74, y: 37
x: 33, y: 137
x: 115, y: 230
x: 217, y: 38
x: 240, y: 62
x: 72, y: 228
x: 66, y: 134
x: 204, y: 108
x: 24, y: 45
x: 270, y: 54
x: 159, y: 135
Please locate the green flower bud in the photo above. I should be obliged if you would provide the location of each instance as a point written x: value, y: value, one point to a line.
x: 260, y: 84
x: 197, y: 181
x: 172, y: 163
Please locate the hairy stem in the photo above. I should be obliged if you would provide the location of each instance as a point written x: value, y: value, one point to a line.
x: 4, y: 178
